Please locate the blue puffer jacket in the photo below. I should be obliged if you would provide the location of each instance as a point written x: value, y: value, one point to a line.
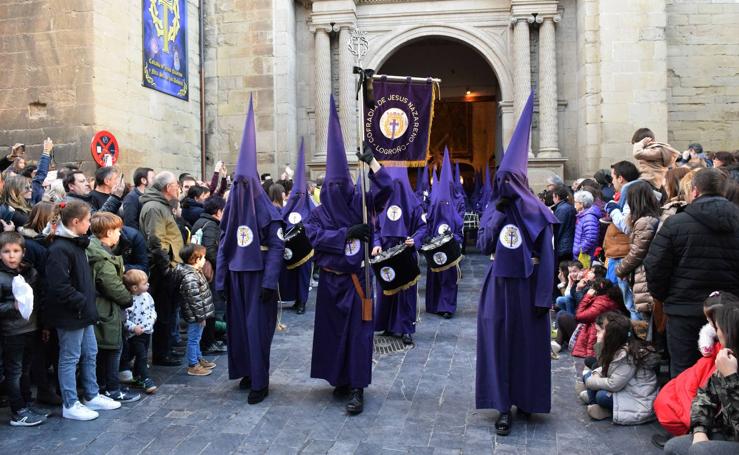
x: 587, y: 231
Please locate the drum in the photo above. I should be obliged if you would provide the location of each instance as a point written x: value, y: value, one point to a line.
x: 471, y: 221
x: 442, y: 252
x: 298, y: 249
x: 396, y: 269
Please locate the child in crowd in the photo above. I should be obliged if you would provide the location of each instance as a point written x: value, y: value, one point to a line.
x: 140, y: 318
x: 197, y: 305
x: 602, y: 297
x: 625, y: 384
x: 566, y: 302
x: 714, y: 414
x: 653, y: 158
x: 112, y: 298
x: 73, y: 312
x: 19, y: 331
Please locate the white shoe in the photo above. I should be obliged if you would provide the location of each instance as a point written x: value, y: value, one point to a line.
x: 584, y: 397
x: 556, y: 348
x: 79, y: 411
x: 102, y: 403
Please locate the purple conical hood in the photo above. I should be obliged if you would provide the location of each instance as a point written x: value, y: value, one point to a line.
x: 337, y: 168
x: 403, y: 202
x: 299, y: 204
x: 444, y: 186
x: 247, y: 213
x: 443, y: 211
x: 337, y: 191
x: 516, y: 157
x: 246, y: 165
x: 511, y: 182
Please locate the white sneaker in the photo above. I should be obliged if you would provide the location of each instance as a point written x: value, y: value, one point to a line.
x: 79, y: 411
x: 584, y: 397
x: 556, y: 348
x: 102, y: 403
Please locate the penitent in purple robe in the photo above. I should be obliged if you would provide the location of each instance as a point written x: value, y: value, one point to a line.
x: 513, y: 333
x: 342, y: 341
x: 397, y: 313
x: 249, y: 259
x: 443, y: 215
x: 295, y: 283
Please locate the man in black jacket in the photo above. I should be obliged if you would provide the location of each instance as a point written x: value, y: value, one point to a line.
x: 565, y: 231
x: 77, y: 187
x: 143, y: 177
x: 695, y: 253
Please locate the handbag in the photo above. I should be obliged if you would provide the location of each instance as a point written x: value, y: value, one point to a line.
x: 573, y: 338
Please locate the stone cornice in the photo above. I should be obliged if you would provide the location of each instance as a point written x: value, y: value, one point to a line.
x: 542, y: 8
x: 334, y: 14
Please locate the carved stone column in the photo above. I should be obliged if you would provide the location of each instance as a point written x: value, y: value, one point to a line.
x: 322, y: 71
x: 522, y: 65
x: 548, y: 123
x: 347, y: 101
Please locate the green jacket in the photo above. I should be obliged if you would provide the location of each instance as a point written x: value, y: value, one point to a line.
x: 716, y: 407
x: 111, y: 295
x: 156, y: 219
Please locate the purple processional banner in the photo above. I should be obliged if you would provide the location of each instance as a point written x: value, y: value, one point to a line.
x: 165, y: 46
x: 399, y: 126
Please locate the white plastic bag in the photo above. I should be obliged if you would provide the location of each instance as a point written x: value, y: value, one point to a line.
x: 23, y: 294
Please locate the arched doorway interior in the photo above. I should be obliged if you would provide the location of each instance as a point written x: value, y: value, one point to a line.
x: 466, y: 117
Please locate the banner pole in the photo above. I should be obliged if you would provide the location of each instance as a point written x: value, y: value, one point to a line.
x: 358, y: 46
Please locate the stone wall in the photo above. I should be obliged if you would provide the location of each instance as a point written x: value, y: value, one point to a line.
x: 46, y: 83
x: 240, y: 63
x: 703, y: 73
x: 153, y: 129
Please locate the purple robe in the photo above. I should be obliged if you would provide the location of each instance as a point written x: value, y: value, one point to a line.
x: 249, y: 259
x: 397, y: 313
x: 444, y: 211
x: 342, y: 342
x: 513, y: 333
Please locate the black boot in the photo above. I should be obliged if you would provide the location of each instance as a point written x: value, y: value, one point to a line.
x: 503, y: 424
x: 407, y: 339
x: 446, y: 315
x: 356, y: 404
x: 299, y: 307
x: 245, y: 383
x: 257, y: 396
x: 660, y: 439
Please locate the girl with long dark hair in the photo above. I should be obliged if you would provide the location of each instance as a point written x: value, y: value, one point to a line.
x: 643, y: 222
x: 625, y: 384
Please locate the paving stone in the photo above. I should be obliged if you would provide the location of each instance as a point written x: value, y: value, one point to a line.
x: 421, y: 402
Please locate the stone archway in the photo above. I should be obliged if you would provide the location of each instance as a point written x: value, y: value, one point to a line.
x: 490, y: 46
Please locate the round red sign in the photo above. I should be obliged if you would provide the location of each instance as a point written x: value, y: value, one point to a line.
x: 104, y: 148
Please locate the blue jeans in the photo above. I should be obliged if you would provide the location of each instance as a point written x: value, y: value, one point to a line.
x: 77, y: 347
x: 624, y: 286
x: 566, y: 303
x: 602, y: 398
x: 194, y: 332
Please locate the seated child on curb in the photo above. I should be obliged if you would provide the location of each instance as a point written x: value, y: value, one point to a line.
x: 197, y: 305
x: 625, y: 384
x: 140, y: 318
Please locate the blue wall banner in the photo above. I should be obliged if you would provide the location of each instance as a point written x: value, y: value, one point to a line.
x: 398, y: 127
x: 165, y: 46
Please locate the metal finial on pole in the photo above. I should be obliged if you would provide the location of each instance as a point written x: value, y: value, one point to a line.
x: 358, y: 47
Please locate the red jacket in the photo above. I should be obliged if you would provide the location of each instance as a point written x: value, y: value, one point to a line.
x: 588, y: 310
x: 673, y: 402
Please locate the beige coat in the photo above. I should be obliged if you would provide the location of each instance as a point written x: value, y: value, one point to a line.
x: 654, y: 160
x: 640, y: 238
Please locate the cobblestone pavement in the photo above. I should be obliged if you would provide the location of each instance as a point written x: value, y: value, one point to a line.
x: 421, y: 401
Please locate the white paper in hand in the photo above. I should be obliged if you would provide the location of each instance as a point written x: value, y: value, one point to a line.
x: 23, y: 294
